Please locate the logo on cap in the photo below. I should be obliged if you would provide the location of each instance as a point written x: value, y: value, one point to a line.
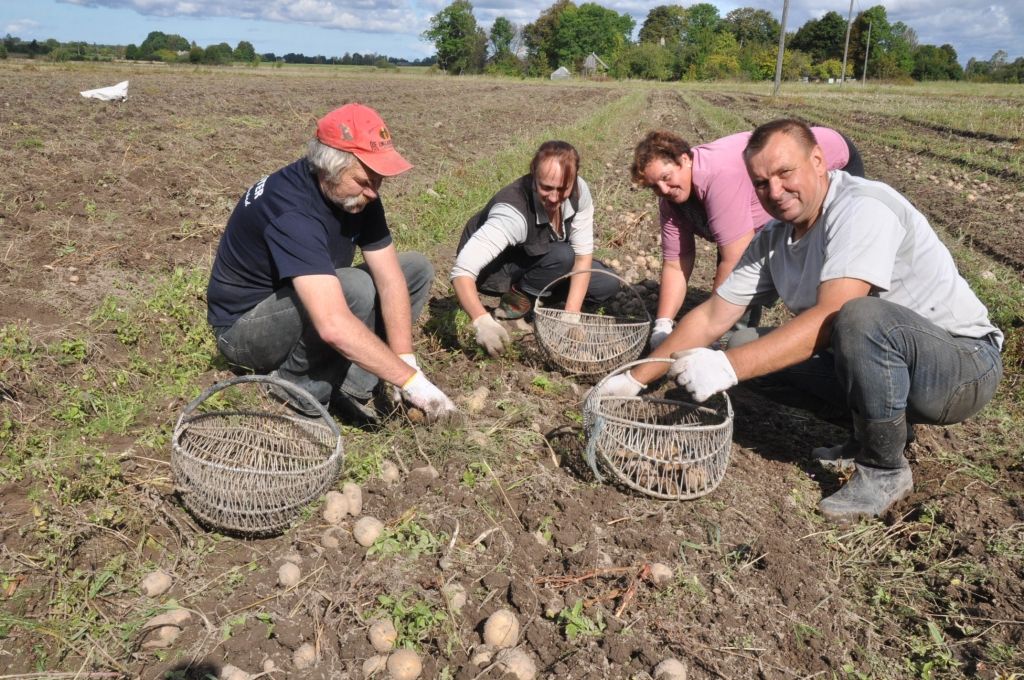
x: 346, y: 133
x: 384, y: 134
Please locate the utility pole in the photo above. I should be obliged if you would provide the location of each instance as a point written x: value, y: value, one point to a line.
x: 867, y: 51
x: 846, y: 49
x: 782, y: 48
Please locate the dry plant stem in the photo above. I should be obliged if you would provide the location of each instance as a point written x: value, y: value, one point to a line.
x: 501, y: 489
x: 643, y: 573
x: 568, y: 580
x: 55, y: 675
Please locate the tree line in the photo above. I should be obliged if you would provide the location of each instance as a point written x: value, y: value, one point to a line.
x: 173, y: 48
x: 697, y: 43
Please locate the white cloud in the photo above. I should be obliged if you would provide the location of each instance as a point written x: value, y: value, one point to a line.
x: 20, y: 26
x: 974, y: 27
x: 371, y: 16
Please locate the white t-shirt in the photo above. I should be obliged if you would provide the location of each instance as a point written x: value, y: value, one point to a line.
x: 867, y: 231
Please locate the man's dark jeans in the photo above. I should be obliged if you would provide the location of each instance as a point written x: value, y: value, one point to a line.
x: 277, y: 335
x: 886, y: 361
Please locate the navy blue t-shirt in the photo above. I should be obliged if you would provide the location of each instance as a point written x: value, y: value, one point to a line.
x: 281, y: 228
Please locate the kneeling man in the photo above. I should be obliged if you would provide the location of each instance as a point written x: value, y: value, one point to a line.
x: 283, y: 295
x: 884, y: 324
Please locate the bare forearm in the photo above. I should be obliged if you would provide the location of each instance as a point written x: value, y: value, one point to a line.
x: 791, y: 343
x: 578, y: 283
x: 469, y: 298
x: 397, y: 314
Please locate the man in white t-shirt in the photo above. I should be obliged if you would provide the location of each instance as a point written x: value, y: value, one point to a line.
x: 883, y: 321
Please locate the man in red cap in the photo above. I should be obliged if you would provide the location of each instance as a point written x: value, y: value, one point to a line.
x: 284, y: 297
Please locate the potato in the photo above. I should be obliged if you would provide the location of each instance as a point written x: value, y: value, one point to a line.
x: 389, y: 472
x: 230, y: 672
x: 329, y: 539
x: 354, y: 494
x: 382, y: 635
x: 670, y: 669
x: 156, y: 583
x: 456, y: 595
x: 501, y: 629
x: 427, y: 471
x: 336, y: 507
x: 366, y: 531
x: 374, y: 665
x: 661, y: 574
x: 696, y: 478
x: 482, y: 655
x: 518, y: 663
x: 304, y: 657
x: 405, y: 664
x: 288, y: 575
x: 165, y: 628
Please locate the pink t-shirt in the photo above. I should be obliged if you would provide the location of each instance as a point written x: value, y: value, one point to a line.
x: 726, y: 206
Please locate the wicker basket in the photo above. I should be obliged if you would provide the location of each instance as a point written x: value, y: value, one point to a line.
x: 248, y: 472
x: 589, y: 345
x: 661, y: 447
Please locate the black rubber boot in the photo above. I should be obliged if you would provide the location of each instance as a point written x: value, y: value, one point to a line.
x: 840, y: 458
x: 882, y: 475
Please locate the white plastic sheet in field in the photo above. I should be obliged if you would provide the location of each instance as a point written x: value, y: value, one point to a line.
x: 117, y: 92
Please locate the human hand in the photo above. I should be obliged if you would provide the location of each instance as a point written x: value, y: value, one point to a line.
x: 703, y: 372
x: 427, y: 397
x: 662, y: 329
x: 490, y: 334
x: 396, y: 392
x: 621, y: 385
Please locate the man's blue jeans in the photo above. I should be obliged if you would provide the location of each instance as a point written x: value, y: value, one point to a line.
x: 887, y: 361
x: 277, y: 334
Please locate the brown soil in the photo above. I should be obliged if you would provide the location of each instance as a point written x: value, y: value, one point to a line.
x: 101, y: 198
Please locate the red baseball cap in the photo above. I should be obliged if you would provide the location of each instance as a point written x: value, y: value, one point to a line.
x: 361, y: 131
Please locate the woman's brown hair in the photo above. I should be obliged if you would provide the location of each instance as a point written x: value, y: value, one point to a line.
x: 658, y: 145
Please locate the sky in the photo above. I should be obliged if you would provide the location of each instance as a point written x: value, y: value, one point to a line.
x: 975, y: 28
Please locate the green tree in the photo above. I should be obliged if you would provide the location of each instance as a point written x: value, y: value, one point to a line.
x: 752, y: 26
x: 643, y: 60
x: 541, y: 38
x: 823, y: 38
x: 244, y: 51
x: 456, y: 38
x: 723, y: 59
x: 891, y: 55
x: 936, y: 63
x: 157, y: 41
x: 830, y: 68
x: 502, y: 35
x: 702, y: 26
x: 591, y: 28
x: 3, y: 51
x: 220, y: 53
x: 664, y: 25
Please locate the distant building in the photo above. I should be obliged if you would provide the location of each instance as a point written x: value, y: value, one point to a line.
x: 592, y: 64
x: 561, y: 73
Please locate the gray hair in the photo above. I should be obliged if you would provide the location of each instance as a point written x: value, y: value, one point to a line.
x: 327, y: 161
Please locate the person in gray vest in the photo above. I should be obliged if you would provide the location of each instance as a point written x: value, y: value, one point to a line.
x: 883, y: 322
x: 533, y: 231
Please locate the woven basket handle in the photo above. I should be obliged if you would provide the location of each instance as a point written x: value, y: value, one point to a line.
x: 606, y: 272
x: 291, y: 388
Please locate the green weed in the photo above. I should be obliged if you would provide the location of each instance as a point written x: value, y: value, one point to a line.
x: 576, y: 623
x: 409, y: 537
x: 414, y: 619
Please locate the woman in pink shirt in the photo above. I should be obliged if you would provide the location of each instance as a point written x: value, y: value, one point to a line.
x: 705, y: 191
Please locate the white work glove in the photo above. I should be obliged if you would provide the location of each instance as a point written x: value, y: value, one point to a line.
x: 396, y: 392
x: 427, y: 397
x: 703, y: 372
x: 490, y: 334
x: 621, y: 385
x: 662, y: 329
